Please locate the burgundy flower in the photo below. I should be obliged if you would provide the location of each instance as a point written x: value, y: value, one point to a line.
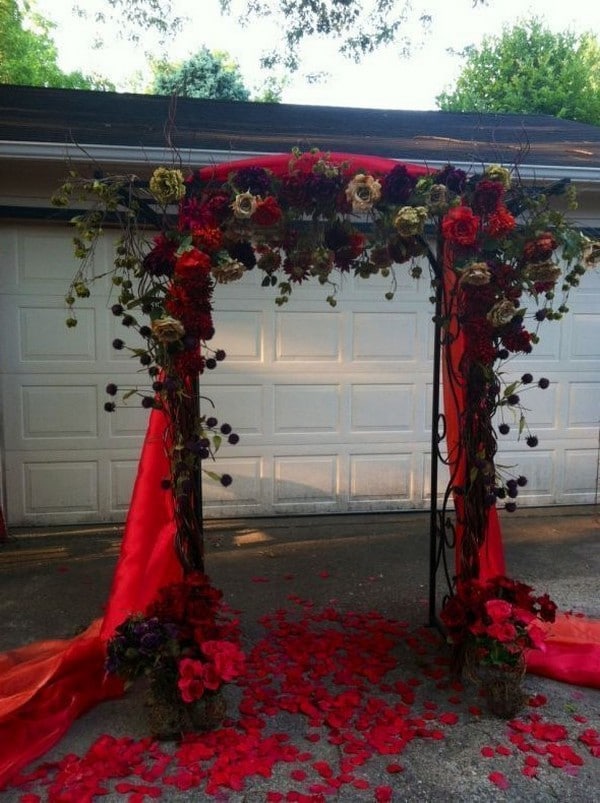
x: 160, y: 261
x: 243, y: 252
x: 453, y: 178
x: 486, y: 197
x: 252, y: 179
x: 397, y: 185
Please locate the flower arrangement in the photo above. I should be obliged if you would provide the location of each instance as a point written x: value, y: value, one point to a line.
x: 491, y: 625
x: 497, y: 619
x: 187, y: 649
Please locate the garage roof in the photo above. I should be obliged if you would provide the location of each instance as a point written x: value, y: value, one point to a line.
x: 34, y: 116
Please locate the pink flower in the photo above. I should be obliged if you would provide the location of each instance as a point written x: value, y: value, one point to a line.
x: 191, y: 680
x: 498, y: 610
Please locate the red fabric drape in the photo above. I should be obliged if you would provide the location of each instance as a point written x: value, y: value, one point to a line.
x: 44, y: 687
x: 491, y: 554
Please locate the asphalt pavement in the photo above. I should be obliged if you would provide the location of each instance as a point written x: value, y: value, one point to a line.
x: 303, y: 577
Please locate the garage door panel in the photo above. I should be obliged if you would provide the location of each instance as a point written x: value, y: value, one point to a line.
x: 36, y: 338
x: 122, y: 474
x: 399, y: 341
x: 51, y: 487
x: 381, y: 478
x: 129, y: 420
x: 580, y: 475
x: 583, y: 409
x: 241, y: 406
x: 308, y: 336
x: 307, y: 409
x: 59, y: 412
x: 240, y: 333
x: 382, y: 407
x: 247, y: 491
x: 305, y: 480
x: 585, y: 337
x: 45, y: 411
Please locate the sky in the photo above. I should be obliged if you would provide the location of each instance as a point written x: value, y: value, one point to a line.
x: 383, y: 80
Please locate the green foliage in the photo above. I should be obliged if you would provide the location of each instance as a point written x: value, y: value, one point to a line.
x: 137, y: 16
x: 28, y: 56
x: 359, y: 27
x: 530, y: 69
x: 204, y: 75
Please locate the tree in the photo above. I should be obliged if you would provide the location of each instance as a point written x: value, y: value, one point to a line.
x: 360, y: 26
x: 28, y: 56
x: 530, y: 69
x: 204, y: 75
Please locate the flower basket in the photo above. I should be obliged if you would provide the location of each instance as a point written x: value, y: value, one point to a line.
x: 501, y: 687
x: 491, y: 623
x: 169, y: 718
x: 187, y: 649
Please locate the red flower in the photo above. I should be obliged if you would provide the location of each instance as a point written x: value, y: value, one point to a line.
x: 500, y: 222
x: 460, y: 226
x: 498, y: 610
x: 504, y: 632
x: 193, y: 261
x: 208, y: 238
x: 267, y: 212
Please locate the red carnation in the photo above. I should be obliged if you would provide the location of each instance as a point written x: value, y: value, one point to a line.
x: 500, y: 222
x: 460, y: 226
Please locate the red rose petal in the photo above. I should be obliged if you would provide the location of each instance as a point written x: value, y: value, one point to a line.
x: 499, y: 779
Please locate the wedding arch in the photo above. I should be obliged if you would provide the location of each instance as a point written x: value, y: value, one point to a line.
x: 491, y: 246
x: 502, y: 261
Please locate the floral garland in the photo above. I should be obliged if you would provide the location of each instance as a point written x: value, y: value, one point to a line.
x: 319, y: 219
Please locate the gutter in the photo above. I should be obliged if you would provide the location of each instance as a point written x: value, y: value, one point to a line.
x: 196, y: 157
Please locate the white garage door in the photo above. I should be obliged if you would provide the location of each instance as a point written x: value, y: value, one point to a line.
x: 332, y: 405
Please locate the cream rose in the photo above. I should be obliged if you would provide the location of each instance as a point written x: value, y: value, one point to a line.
x: 502, y: 313
x: 410, y: 220
x: 226, y: 272
x: 362, y: 192
x: 591, y: 253
x: 475, y: 273
x: 167, y: 330
x: 438, y: 199
x: 244, y: 205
